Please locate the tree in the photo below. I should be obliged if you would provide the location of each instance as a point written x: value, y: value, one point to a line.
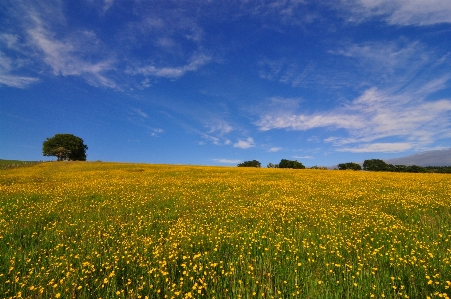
x: 349, y: 165
x: 270, y: 165
x: 291, y: 164
x: 253, y: 163
x: 65, y: 147
x: 375, y: 165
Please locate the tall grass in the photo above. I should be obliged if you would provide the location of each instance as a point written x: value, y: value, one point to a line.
x: 109, y: 230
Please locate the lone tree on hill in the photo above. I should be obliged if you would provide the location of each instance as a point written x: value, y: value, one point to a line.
x: 65, y: 147
x: 253, y: 163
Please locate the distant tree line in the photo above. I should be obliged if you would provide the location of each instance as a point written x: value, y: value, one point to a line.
x: 380, y: 165
x: 350, y: 166
x: 284, y: 163
x: 368, y: 165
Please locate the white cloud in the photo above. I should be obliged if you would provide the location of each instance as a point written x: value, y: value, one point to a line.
x: 403, y: 107
x: 65, y: 57
x: 39, y: 41
x: 274, y: 149
x: 16, y: 81
x: 305, y: 122
x: 9, y: 66
x: 375, y: 115
x: 78, y: 51
x: 227, y: 161
x: 402, y: 12
x: 244, y: 144
x: 8, y: 78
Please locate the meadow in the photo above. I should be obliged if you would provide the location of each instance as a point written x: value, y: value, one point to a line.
x: 112, y: 230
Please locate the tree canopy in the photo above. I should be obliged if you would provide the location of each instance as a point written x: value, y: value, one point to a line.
x: 253, y: 163
x: 65, y: 147
x: 375, y: 165
x: 291, y: 164
x: 349, y: 165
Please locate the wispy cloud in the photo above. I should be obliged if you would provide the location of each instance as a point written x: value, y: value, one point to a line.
x: 36, y: 44
x: 155, y: 132
x: 219, y: 126
x: 139, y: 112
x: 65, y: 57
x: 53, y: 44
x: 11, y: 80
x: 399, y: 104
x: 303, y: 157
x: 194, y: 64
x: 214, y: 139
x: 227, y: 161
x: 245, y: 144
x: 107, y: 4
x: 9, y: 66
x: 401, y: 12
x: 375, y: 115
x: 386, y: 147
x: 274, y: 149
x: 288, y: 72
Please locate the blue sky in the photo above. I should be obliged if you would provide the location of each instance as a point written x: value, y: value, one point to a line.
x: 221, y: 82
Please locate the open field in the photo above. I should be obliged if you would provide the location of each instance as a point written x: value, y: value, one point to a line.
x: 110, y: 230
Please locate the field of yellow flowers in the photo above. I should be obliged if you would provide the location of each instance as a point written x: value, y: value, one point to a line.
x: 111, y: 230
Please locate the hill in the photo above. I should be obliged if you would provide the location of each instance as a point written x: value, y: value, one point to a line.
x: 427, y: 158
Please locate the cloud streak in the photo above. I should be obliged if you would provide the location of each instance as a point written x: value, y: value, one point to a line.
x: 9, y: 66
x: 65, y: 57
x: 194, y: 64
x: 398, y: 112
x: 401, y: 12
x: 50, y: 43
x: 227, y: 161
x: 377, y: 115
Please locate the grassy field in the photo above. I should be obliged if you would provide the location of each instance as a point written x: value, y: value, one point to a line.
x: 110, y: 230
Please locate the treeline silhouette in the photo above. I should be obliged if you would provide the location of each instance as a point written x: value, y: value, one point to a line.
x: 379, y: 165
